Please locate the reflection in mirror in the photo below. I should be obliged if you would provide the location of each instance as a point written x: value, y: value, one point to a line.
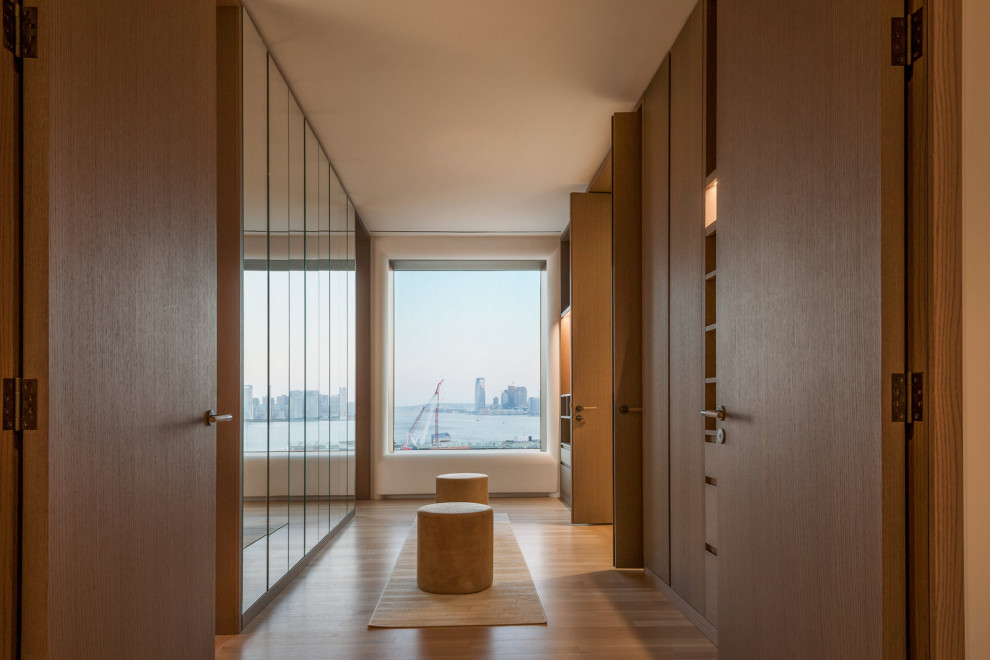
x: 254, y: 516
x: 324, y: 483
x: 301, y: 404
x: 314, y: 394
x: 279, y: 324
x: 298, y: 326
x: 338, y: 348
x: 351, y: 350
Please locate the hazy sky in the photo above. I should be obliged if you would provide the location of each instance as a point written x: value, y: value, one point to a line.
x: 462, y: 325
x: 300, y: 329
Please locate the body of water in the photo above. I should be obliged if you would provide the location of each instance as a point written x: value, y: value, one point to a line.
x: 468, y: 430
x: 463, y: 431
x: 323, y: 435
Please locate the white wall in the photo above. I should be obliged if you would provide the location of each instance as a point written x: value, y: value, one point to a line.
x: 976, y: 323
x: 413, y: 473
x: 281, y: 473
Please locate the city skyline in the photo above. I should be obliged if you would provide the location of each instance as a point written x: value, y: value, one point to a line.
x: 278, y: 338
x: 455, y: 325
x: 297, y: 405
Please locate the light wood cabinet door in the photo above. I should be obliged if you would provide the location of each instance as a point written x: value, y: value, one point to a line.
x: 591, y: 357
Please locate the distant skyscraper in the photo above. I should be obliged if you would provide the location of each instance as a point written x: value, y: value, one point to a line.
x: 296, y: 404
x: 520, y: 398
x: 479, y: 394
x: 534, y: 406
x: 495, y: 402
x: 506, y: 399
x: 248, y: 411
x: 312, y: 404
x: 342, y: 398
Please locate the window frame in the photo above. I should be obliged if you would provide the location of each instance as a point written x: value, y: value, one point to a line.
x: 462, y: 265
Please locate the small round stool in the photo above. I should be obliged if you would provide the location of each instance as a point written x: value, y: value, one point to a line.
x: 454, y: 547
x: 462, y: 487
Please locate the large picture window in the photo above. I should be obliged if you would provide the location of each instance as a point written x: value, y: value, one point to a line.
x: 467, y: 363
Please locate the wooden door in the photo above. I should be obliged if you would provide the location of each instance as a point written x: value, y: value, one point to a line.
x: 686, y: 353
x: 627, y: 339
x: 810, y: 328
x: 591, y: 357
x: 120, y: 330
x: 10, y: 351
x: 656, y: 324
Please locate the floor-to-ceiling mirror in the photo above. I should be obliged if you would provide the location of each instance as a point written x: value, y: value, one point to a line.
x: 298, y: 331
x: 351, y: 350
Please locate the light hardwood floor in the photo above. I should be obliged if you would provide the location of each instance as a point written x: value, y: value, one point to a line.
x: 593, y: 611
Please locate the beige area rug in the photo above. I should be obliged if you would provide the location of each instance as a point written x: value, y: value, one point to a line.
x: 510, y: 601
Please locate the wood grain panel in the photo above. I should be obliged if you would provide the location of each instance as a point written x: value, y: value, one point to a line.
x: 917, y: 315
x: 894, y: 295
x: 711, y: 588
x: 944, y: 373
x: 655, y: 250
x: 710, y: 11
x: 35, y: 514
x: 602, y: 181
x: 122, y: 326
x: 567, y: 485
x: 591, y: 350
x: 801, y: 331
x: 627, y: 338
x: 565, y: 274
x: 362, y: 400
x: 565, y: 354
x: 229, y: 393
x: 711, y: 523
x: 10, y: 345
x: 687, y: 370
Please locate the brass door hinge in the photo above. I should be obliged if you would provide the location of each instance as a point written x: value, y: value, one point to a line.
x: 20, y: 404
x: 20, y: 29
x: 907, y: 393
x: 907, y: 35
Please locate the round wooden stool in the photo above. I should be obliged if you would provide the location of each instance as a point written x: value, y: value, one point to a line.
x: 454, y: 547
x: 462, y: 487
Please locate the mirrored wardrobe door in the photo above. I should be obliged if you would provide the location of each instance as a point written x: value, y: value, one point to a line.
x: 254, y: 515
x: 313, y: 392
x: 279, y: 326
x: 299, y: 399
x: 324, y: 482
x: 351, y: 350
x: 298, y: 331
x: 338, y: 349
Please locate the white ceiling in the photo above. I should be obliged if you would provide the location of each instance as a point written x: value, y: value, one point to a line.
x: 466, y: 115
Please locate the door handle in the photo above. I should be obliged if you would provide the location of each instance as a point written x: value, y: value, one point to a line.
x: 626, y: 409
x: 211, y: 418
x: 718, y: 413
x: 580, y: 408
x: 578, y: 418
